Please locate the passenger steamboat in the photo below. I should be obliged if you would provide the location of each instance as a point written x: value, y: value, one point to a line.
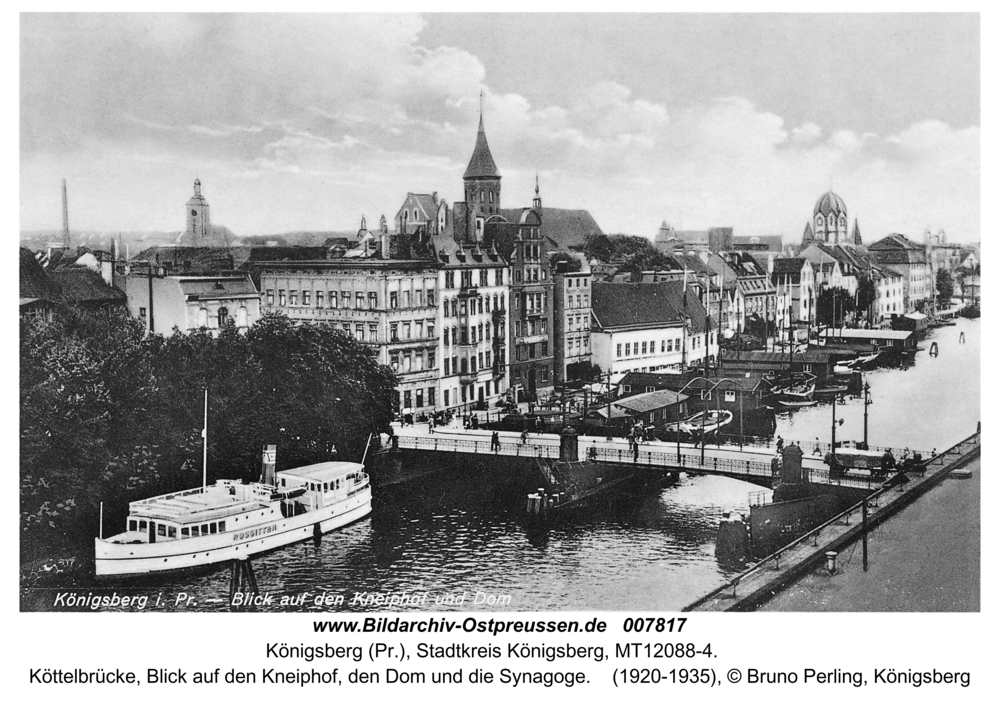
x: 232, y: 519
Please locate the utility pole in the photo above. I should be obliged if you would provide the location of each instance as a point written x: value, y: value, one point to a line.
x: 833, y: 429
x: 867, y: 389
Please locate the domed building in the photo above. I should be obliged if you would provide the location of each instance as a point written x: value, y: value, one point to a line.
x: 829, y: 223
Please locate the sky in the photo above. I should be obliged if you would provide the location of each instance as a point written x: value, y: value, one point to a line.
x: 308, y: 122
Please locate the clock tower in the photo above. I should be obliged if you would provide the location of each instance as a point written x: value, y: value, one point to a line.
x: 199, y: 224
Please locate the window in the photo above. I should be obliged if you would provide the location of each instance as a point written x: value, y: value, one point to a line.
x: 447, y: 393
x: 449, y: 279
x: 420, y: 398
x: 430, y: 329
x: 635, y: 348
x: 270, y: 300
x: 293, y: 298
x: 373, y: 300
x: 447, y: 371
x: 393, y: 300
x: 345, y: 300
x: 644, y: 347
x: 406, y: 300
x: 319, y: 299
x: 407, y: 399
x: 619, y: 349
x: 359, y: 300
x: 373, y: 332
x: 418, y: 329
x: 333, y: 300
x: 430, y: 298
x: 406, y: 330
x: 359, y: 332
x: 431, y: 363
x: 306, y: 301
x: 202, y: 317
x: 223, y: 316
x: 281, y: 298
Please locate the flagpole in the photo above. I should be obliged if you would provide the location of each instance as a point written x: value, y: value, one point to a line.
x: 204, y: 446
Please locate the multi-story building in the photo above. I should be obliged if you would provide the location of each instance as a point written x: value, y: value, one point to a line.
x: 388, y: 303
x: 760, y: 315
x: 648, y: 327
x: 473, y: 321
x: 909, y: 260
x: 888, y: 293
x: 796, y: 276
x: 571, y: 320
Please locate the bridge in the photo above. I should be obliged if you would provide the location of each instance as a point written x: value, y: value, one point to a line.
x: 752, y: 464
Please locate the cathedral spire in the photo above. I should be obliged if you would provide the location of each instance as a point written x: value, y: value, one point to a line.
x: 481, y: 165
x: 537, y: 202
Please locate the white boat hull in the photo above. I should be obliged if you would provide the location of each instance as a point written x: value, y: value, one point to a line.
x: 113, y: 559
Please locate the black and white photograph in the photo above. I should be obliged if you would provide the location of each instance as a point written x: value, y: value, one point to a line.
x: 499, y: 313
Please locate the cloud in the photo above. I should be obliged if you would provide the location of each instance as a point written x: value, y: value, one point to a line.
x: 300, y: 121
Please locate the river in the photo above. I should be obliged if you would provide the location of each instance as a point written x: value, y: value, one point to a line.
x: 451, y: 537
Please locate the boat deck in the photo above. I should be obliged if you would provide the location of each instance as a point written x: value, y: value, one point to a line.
x: 195, y: 505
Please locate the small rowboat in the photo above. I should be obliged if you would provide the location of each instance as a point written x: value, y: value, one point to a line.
x: 797, y: 404
x: 832, y: 389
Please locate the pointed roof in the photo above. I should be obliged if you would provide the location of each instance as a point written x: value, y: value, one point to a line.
x: 481, y: 165
x: 808, y: 235
x: 857, y: 233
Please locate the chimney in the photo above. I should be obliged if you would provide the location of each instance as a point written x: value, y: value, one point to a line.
x: 385, y: 245
x: 65, y: 218
x: 268, y: 461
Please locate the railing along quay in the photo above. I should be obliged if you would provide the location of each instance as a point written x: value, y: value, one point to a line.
x: 766, y: 576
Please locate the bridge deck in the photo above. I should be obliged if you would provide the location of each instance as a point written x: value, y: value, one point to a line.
x: 752, y: 463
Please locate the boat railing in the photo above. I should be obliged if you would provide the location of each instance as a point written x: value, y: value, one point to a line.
x: 171, y: 495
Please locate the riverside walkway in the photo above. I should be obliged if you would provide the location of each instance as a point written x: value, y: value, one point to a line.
x: 752, y: 463
x: 759, y: 582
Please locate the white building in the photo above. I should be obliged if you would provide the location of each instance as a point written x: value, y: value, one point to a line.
x: 647, y: 327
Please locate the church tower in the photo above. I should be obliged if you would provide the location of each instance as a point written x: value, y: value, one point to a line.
x: 537, y: 202
x: 199, y: 225
x: 482, y: 184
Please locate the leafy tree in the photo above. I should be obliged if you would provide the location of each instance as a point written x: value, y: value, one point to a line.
x: 573, y: 264
x: 867, y: 294
x: 110, y: 414
x: 945, y: 287
x: 833, y: 305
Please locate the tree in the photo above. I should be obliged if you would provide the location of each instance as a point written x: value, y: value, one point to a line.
x: 573, y: 264
x: 945, y: 287
x: 833, y: 305
x: 110, y: 414
x: 867, y: 294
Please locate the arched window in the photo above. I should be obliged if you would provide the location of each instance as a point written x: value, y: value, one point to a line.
x: 223, y: 316
x: 241, y: 317
x: 202, y: 317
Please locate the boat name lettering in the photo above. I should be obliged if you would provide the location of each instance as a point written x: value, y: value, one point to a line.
x: 254, y: 532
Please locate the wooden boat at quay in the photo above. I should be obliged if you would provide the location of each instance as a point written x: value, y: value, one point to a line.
x: 798, y: 404
x: 707, y: 421
x: 830, y: 390
x: 800, y: 392
x: 232, y: 520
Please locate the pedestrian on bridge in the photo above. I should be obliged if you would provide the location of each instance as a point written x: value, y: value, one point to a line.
x: 635, y: 451
x: 780, y: 443
x: 495, y: 442
x: 524, y: 436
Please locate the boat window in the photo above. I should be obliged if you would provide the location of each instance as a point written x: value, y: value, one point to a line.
x: 132, y: 524
x: 185, y: 532
x: 161, y: 529
x: 222, y: 526
x: 212, y: 528
x: 171, y: 531
x: 282, y: 481
x: 142, y: 525
x: 204, y: 529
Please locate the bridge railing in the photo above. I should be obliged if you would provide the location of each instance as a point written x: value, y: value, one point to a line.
x: 662, y: 458
x: 460, y: 445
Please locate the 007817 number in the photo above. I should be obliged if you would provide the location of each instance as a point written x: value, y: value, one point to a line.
x: 654, y: 625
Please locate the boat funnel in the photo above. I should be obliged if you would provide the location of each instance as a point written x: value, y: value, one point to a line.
x: 268, y: 461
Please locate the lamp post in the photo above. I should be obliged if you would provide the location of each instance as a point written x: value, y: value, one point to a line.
x: 867, y: 401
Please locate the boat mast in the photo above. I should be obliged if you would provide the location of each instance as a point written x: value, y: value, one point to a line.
x: 204, y: 445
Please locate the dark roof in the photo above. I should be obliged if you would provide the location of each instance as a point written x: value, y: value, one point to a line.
x: 481, y: 165
x: 651, y: 401
x: 457, y: 255
x: 568, y: 228
x: 788, y: 266
x: 648, y: 304
x: 743, y: 263
x: 85, y: 285
x: 35, y: 283
x: 897, y: 249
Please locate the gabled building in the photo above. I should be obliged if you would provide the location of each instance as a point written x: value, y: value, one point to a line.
x: 571, y: 320
x: 796, y: 275
x: 909, y: 260
x: 649, y: 327
x: 39, y: 295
